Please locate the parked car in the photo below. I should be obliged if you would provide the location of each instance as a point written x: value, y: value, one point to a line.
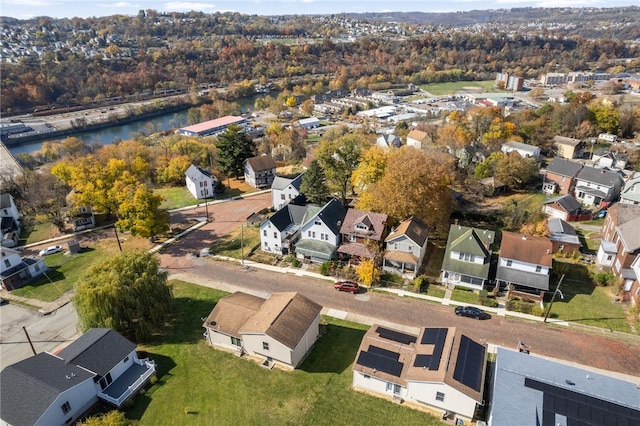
x: 50, y: 250
x: 471, y: 312
x: 350, y: 286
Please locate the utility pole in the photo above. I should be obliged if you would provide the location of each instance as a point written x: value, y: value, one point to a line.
x: 553, y: 298
x: 242, y: 244
x: 117, y: 238
x: 29, y: 339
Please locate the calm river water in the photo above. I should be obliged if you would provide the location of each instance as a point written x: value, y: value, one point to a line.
x: 128, y: 131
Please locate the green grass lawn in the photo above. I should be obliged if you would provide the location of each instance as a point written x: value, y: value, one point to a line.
x: 199, y: 385
x: 64, y: 271
x: 464, y: 295
x: 231, y: 245
x: 38, y: 232
x: 586, y: 303
x: 435, y: 290
x: 452, y: 87
x: 176, y: 197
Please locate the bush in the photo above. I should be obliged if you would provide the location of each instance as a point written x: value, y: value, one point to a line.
x: 485, y: 300
x: 522, y: 306
x: 537, y: 311
x: 295, y: 263
x: 603, y: 279
x: 418, y: 283
x: 325, y: 268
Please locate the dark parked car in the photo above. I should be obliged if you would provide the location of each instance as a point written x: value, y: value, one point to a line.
x: 471, y: 311
x: 350, y: 286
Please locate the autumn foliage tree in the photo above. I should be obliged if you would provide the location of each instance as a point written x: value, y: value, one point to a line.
x: 415, y: 183
x: 127, y: 293
x: 338, y: 159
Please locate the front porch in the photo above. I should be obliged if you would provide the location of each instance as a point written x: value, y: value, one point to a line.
x: 129, y: 382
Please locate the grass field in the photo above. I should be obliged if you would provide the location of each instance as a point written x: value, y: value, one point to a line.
x: 176, y: 197
x: 199, y: 385
x: 238, y: 243
x: 451, y: 88
x: 463, y: 295
x: 66, y: 270
x: 585, y: 303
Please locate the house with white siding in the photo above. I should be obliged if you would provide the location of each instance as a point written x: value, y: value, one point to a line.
x: 284, y: 190
x: 279, y: 330
x: 16, y: 271
x: 598, y: 187
x: 280, y: 232
x: 201, y: 183
x: 320, y: 232
x: 437, y: 368
x: 524, y: 264
x: 467, y: 257
x: 52, y: 390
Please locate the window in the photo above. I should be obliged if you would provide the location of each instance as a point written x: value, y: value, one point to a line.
x: 467, y: 257
x: 7, y: 263
x: 317, y: 222
x: 66, y: 407
x: 264, y: 232
x: 538, y: 269
x: 366, y: 376
x: 439, y: 396
x: 282, y: 197
x: 125, y: 359
x: 275, y: 235
x: 265, y: 346
x: 236, y: 342
x: 362, y: 227
x: 509, y: 262
x: 392, y: 387
x: 352, y: 238
x: 313, y: 234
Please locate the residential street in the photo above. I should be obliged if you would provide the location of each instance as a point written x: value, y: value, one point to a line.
x: 574, y: 345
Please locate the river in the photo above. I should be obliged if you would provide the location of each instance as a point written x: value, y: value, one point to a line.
x: 130, y: 130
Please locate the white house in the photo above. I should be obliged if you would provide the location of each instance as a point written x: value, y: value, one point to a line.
x: 320, y: 231
x: 631, y: 192
x: 200, y: 183
x: 524, y: 264
x: 284, y: 190
x: 438, y: 368
x: 597, y: 186
x: 280, y: 232
x: 309, y: 123
x: 16, y: 270
x: 259, y: 172
x: 405, y: 248
x: 9, y: 215
x: 281, y: 329
x: 525, y: 150
x: 53, y: 390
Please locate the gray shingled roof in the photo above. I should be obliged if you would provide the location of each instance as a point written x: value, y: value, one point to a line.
x: 194, y: 171
x: 332, y: 214
x: 280, y: 182
x: 29, y: 387
x: 568, y: 202
x: 523, y: 278
x: 98, y: 350
x: 291, y: 213
x: 516, y: 402
x: 600, y: 176
x: 564, y: 167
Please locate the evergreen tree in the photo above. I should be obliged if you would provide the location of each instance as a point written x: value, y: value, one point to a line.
x: 126, y: 293
x: 234, y: 147
x: 314, y: 185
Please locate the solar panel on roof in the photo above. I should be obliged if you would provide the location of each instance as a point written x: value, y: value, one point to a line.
x: 431, y: 335
x: 383, y: 352
x: 422, y: 360
x: 470, y: 363
x: 396, y: 336
x: 380, y: 363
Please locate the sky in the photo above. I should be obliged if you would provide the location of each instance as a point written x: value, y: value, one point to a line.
x: 23, y: 9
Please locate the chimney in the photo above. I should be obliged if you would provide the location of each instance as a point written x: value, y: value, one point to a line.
x: 455, y: 221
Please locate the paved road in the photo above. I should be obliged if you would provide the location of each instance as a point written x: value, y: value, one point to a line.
x: 47, y: 332
x: 599, y: 351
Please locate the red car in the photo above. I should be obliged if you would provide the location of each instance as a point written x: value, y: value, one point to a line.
x: 350, y: 286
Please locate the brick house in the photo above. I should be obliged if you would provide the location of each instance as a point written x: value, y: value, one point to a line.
x: 560, y: 176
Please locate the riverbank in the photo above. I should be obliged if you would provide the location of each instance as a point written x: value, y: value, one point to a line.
x: 71, y: 131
